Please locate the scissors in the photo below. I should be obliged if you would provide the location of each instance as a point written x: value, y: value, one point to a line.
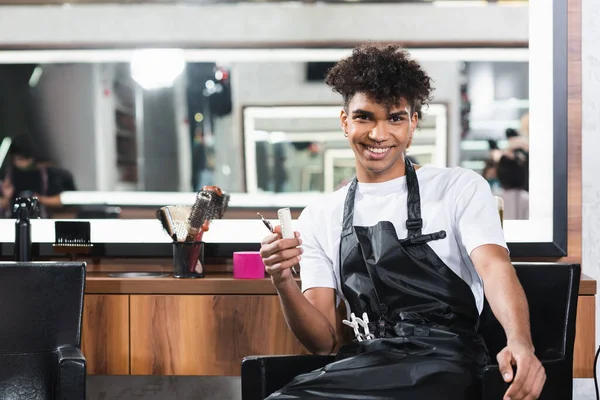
x: 272, y: 230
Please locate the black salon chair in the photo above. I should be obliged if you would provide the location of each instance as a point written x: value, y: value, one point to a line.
x: 551, y: 290
x: 41, y: 306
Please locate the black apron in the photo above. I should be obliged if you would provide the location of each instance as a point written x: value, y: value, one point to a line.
x: 422, y: 315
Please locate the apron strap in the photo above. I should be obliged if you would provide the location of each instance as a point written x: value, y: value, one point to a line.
x: 414, y: 223
x: 348, y: 221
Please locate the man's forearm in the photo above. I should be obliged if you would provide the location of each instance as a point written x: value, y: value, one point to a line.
x: 51, y: 201
x: 309, y: 325
x: 508, y: 302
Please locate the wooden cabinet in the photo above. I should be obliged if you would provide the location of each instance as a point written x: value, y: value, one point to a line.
x: 167, y: 326
x: 585, y: 338
x: 105, y: 335
x: 205, y: 335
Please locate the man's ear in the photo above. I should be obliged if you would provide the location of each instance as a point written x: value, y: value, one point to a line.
x: 414, y: 121
x: 344, y: 121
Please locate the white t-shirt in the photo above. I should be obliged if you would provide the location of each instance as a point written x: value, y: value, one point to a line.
x: 456, y: 200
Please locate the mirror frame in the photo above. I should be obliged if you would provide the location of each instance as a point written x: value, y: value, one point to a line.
x: 118, y: 238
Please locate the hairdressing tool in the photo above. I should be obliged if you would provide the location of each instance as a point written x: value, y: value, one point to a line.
x: 287, y: 229
x: 221, y: 201
x: 272, y: 230
x: 218, y: 206
x: 285, y: 220
x: 164, y: 216
x: 199, y: 213
x: 355, y: 323
x: 267, y: 223
x: 174, y: 220
x: 355, y: 327
x: 364, y: 322
x: 72, y: 238
x: 180, y: 215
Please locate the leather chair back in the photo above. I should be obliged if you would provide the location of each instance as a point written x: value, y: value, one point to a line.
x: 41, y: 308
x: 41, y: 305
x: 551, y: 290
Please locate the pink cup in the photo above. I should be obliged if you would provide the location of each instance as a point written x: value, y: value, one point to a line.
x: 248, y: 265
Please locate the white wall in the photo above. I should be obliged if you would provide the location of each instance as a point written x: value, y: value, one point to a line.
x: 590, y: 60
x: 77, y: 120
x: 67, y: 114
x: 105, y: 127
x: 187, y: 24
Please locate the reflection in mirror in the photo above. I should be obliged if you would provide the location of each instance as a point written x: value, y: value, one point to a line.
x: 302, y: 149
x: 251, y: 126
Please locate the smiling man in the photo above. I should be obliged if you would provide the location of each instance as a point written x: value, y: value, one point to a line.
x: 409, y: 249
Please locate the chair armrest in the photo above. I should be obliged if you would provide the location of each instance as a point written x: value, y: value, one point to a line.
x: 71, y: 374
x: 263, y: 375
x: 558, y: 386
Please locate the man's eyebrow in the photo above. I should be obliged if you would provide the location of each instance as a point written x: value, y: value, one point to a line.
x: 399, y: 114
x: 361, y: 111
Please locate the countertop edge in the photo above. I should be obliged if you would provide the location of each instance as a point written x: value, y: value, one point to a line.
x: 213, y: 284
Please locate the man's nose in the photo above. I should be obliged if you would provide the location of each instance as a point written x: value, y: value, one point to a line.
x: 379, y: 133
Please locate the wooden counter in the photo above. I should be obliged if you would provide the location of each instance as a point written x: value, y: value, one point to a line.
x: 214, y: 283
x: 168, y: 326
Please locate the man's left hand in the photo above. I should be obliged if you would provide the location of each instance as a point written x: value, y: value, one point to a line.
x: 530, y: 376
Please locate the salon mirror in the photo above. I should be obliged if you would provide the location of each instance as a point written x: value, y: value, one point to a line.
x: 186, y: 124
x: 138, y: 130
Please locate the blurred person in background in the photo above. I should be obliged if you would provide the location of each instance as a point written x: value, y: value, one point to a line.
x: 512, y: 170
x: 517, y: 142
x: 23, y: 177
x: 491, y: 176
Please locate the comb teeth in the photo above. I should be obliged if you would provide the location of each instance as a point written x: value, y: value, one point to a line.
x: 201, y: 210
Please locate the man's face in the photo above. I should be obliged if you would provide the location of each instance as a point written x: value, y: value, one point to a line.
x: 22, y: 162
x: 378, y: 136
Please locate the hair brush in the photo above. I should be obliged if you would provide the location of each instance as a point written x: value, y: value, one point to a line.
x: 166, y: 220
x: 180, y: 215
x: 200, y: 212
x: 174, y: 220
x: 221, y: 202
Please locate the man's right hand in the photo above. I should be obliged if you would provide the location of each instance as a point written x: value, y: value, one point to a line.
x: 280, y: 255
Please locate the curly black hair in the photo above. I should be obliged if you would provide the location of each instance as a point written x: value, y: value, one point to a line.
x: 385, y: 72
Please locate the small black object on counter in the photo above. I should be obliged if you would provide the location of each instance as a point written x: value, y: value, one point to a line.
x: 25, y: 208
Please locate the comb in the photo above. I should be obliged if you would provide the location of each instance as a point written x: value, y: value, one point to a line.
x: 72, y: 237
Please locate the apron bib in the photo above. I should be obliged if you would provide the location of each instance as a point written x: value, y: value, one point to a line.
x: 418, y: 318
